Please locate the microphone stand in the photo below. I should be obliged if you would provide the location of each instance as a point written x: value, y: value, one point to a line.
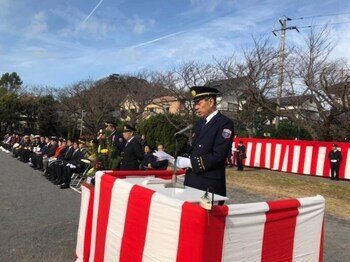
x: 174, y: 183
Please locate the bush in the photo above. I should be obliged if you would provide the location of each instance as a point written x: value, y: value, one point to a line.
x: 158, y: 130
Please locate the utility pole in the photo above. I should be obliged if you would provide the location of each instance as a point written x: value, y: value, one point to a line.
x: 81, y: 122
x: 283, y: 22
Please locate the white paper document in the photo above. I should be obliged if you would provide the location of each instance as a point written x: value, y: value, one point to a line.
x: 182, y: 162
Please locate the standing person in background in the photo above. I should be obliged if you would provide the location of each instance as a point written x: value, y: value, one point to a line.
x: 241, y: 154
x: 143, y: 141
x: 132, y: 154
x: 335, y: 157
x: 211, y: 143
x: 116, y: 145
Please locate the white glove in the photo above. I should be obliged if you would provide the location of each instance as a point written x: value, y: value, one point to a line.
x: 183, y: 162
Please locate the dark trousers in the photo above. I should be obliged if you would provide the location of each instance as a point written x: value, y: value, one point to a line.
x: 239, y: 164
x: 68, y: 172
x: 335, y: 171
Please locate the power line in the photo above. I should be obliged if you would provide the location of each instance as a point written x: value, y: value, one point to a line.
x: 315, y: 16
x: 338, y: 23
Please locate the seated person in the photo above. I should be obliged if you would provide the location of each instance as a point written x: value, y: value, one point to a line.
x: 59, y: 153
x: 159, y: 164
x: 47, y: 153
x: 75, y: 166
x: 147, y: 158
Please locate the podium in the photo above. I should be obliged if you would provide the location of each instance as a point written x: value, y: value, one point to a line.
x: 130, y: 220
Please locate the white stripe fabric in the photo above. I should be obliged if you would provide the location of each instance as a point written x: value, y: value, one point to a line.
x: 257, y: 155
x: 320, y: 160
x: 277, y: 157
x: 308, y: 230
x: 285, y: 160
x: 115, y: 228
x: 163, y: 229
x: 268, y: 155
x: 244, y: 232
x: 296, y: 159
x: 347, y: 167
x: 84, y: 207
x: 308, y: 160
x: 249, y: 153
x: 98, y: 176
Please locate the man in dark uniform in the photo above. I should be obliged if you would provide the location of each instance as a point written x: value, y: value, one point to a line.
x: 132, y: 153
x: 116, y: 145
x: 335, y: 157
x: 212, y: 140
x: 241, y: 154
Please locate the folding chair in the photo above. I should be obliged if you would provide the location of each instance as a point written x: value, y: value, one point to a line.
x: 78, y: 178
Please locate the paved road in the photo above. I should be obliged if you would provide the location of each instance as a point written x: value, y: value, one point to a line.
x: 39, y: 221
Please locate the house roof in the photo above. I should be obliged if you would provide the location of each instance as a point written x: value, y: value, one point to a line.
x: 340, y: 88
x: 293, y: 100
x: 237, y: 84
x: 163, y: 99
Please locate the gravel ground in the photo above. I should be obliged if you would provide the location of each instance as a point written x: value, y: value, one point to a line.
x: 39, y: 221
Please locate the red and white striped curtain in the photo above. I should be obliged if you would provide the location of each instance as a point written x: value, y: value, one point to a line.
x: 294, y: 156
x: 121, y: 221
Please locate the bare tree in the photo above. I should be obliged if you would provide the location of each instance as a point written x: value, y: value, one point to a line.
x: 323, y: 82
x: 256, y: 74
x: 179, y: 81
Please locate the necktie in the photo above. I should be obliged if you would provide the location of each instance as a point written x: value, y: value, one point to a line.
x: 204, y: 123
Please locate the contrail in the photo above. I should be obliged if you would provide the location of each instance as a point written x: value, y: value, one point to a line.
x: 156, y: 40
x: 93, y: 10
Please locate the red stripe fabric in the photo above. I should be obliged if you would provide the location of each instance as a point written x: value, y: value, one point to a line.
x: 88, y: 225
x: 136, y: 221
x: 314, y: 161
x: 252, y: 154
x: 106, y: 187
x: 214, y: 237
x: 327, y: 164
x: 279, y: 230
x: 193, y: 219
x: 201, y: 233
x: 165, y: 174
x: 290, y: 158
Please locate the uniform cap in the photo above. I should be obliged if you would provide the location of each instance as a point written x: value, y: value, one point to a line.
x: 334, y: 145
x: 200, y: 92
x: 128, y: 128
x: 109, y: 122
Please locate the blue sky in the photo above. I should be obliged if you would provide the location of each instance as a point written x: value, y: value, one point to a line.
x: 59, y: 42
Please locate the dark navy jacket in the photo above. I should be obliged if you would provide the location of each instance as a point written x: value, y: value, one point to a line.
x: 132, y: 155
x: 210, y: 146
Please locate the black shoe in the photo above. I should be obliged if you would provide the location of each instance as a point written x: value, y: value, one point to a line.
x: 56, y: 182
x: 64, y: 186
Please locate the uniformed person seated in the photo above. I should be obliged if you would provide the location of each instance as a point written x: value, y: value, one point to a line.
x: 211, y: 142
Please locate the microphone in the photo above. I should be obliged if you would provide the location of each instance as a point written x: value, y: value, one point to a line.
x: 184, y: 130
